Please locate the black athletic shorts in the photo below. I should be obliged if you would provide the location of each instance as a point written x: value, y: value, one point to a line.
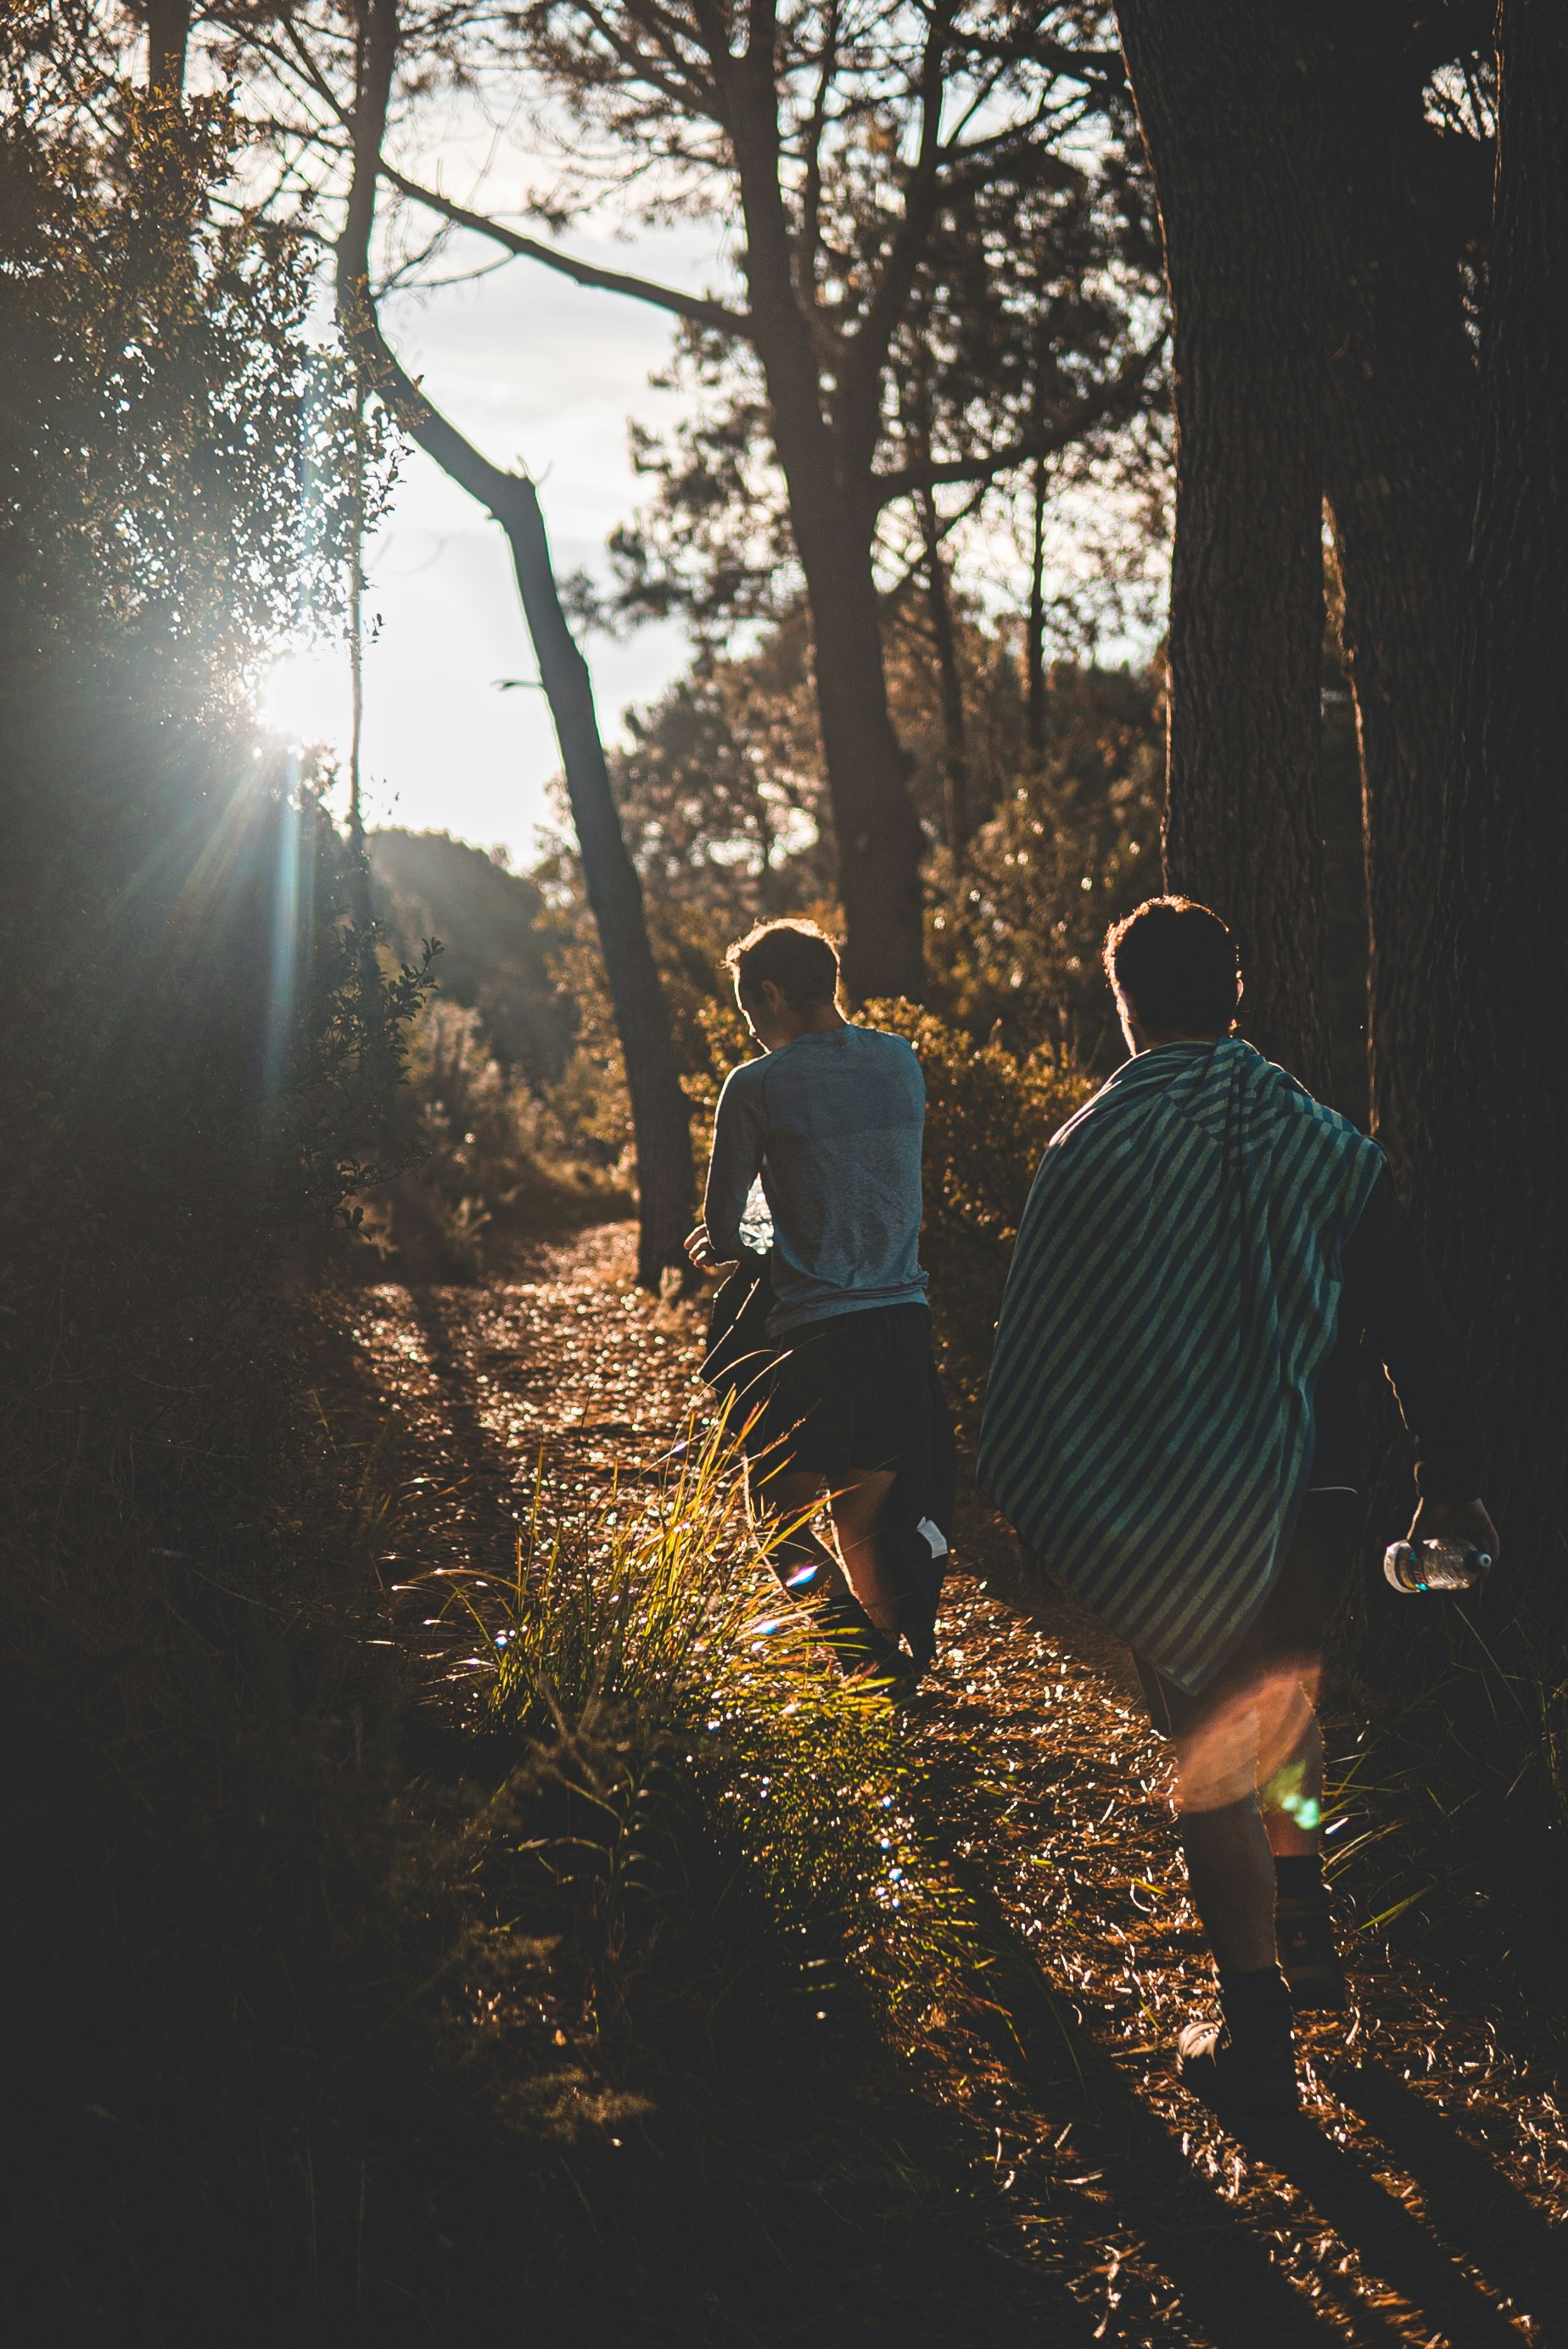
x: 1289, y: 1627
x: 852, y: 1391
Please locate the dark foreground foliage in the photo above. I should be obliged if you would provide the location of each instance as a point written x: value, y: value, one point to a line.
x: 321, y: 2023
x: 348, y: 2018
x: 200, y: 1048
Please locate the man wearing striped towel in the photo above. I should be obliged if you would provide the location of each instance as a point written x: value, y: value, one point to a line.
x: 1171, y: 1425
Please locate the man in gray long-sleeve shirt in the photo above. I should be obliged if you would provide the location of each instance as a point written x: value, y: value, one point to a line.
x: 829, y: 1122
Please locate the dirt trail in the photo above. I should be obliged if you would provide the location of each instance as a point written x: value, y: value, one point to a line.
x: 1420, y: 2199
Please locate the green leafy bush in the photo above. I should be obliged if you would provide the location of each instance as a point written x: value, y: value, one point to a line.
x: 201, y: 1055
x: 202, y: 1050
x: 493, y: 1160
x: 1070, y: 845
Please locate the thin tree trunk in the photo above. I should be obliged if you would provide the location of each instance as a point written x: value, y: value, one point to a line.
x: 357, y: 627
x: 168, y: 41
x: 1494, y: 1159
x: 1034, y: 705
x: 950, y: 677
x: 661, y: 1115
x: 1400, y: 472
x: 1232, y: 158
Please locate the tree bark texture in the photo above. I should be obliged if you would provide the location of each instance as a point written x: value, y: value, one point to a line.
x: 1494, y: 1160
x: 832, y: 516
x: 661, y: 1115
x: 1400, y: 454
x: 1034, y: 662
x: 954, y: 733
x: 1229, y: 141
x: 880, y: 844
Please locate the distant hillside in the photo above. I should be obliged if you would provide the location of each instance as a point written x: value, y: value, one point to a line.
x: 492, y: 928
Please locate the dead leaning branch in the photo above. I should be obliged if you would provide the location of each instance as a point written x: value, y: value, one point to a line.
x: 661, y: 1117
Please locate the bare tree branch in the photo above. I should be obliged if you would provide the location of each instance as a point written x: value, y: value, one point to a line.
x: 661, y: 1116
x: 811, y: 235
x: 680, y: 89
x: 696, y: 307
x: 1109, y: 403
x: 866, y: 351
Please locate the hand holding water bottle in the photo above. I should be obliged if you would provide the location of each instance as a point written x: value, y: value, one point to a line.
x: 1451, y: 1545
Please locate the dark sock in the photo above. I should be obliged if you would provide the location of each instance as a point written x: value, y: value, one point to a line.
x: 1300, y: 1876
x: 1254, y: 2002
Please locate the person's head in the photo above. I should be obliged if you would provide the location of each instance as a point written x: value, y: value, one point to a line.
x: 1172, y: 968
x: 786, y: 980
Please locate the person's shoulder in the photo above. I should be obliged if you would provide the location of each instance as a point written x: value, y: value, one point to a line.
x: 1065, y: 1135
x: 745, y: 1079
x: 1300, y: 1111
x: 1288, y: 1092
x: 885, y: 1045
x: 894, y: 1060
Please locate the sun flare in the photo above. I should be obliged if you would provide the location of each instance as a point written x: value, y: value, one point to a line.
x: 305, y: 698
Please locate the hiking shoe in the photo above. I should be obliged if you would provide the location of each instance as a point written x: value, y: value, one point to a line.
x: 844, y: 1626
x: 1252, y: 2078
x: 887, y: 1669
x: 869, y: 1657
x: 1304, y: 1933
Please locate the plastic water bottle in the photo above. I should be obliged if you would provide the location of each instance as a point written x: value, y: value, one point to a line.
x: 1435, y: 1565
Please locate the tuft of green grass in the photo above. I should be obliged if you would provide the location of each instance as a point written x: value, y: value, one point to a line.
x: 1454, y: 1788
x: 644, y: 1636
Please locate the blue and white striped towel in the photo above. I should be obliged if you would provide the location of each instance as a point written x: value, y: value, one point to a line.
x: 1173, y: 1297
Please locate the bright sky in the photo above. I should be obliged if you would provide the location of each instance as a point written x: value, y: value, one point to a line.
x: 534, y: 370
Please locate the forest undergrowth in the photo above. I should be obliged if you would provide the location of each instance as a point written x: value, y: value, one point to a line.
x: 460, y: 1904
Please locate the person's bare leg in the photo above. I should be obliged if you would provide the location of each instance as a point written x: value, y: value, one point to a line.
x: 1244, y: 2060
x: 802, y: 1561
x: 857, y: 1505
x: 1231, y: 1876
x: 1291, y: 1797
x: 1290, y: 1791
x: 1230, y: 1866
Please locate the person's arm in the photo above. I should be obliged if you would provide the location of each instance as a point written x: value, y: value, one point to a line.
x: 740, y: 1139
x: 1409, y: 1331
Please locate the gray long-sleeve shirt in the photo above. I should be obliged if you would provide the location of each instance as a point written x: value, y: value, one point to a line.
x: 832, y: 1125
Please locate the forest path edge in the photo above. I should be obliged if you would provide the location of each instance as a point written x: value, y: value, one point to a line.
x: 1417, y: 2200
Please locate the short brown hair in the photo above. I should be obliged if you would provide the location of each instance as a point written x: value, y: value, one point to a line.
x: 1175, y: 963
x: 801, y: 959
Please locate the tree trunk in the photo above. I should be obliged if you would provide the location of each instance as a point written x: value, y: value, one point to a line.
x: 1400, y: 474
x: 1035, y: 705
x: 954, y: 745
x: 1233, y: 164
x: 878, y: 832
x: 168, y: 39
x: 661, y: 1115
x: 1494, y: 1160
x: 879, y: 837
